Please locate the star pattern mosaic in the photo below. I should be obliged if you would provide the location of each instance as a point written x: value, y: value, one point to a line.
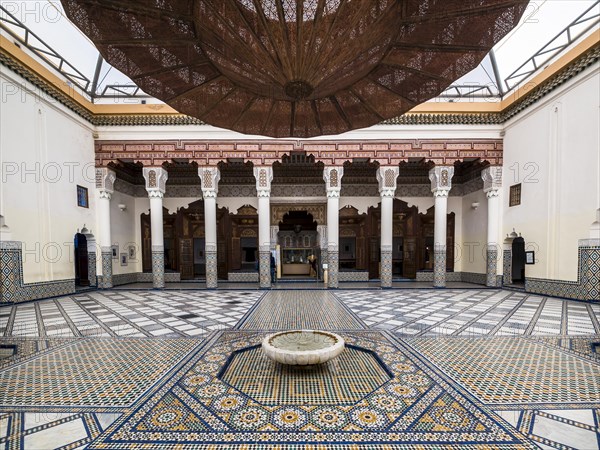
x: 414, y: 407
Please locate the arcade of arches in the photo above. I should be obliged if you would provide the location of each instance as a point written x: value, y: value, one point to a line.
x: 330, y: 223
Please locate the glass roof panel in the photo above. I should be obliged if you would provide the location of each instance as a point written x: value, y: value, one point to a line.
x: 542, y: 21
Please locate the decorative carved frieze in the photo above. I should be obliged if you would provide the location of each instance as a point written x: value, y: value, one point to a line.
x: 331, y: 153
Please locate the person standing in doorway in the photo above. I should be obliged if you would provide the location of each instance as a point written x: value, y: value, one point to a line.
x: 273, y: 267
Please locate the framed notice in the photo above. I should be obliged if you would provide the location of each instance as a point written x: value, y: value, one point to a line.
x: 530, y: 257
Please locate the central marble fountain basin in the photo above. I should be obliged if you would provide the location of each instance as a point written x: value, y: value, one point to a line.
x: 303, y: 347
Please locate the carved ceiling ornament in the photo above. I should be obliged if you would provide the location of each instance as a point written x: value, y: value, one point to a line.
x: 294, y: 67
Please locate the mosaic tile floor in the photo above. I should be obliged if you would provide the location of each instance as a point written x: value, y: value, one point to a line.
x: 471, y: 313
x: 181, y: 369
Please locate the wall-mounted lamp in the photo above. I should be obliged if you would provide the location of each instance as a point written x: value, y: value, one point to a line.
x: 475, y: 205
x: 122, y: 207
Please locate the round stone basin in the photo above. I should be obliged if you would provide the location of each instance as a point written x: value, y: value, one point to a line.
x: 302, y: 347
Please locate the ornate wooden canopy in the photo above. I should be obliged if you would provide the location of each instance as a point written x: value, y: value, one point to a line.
x: 294, y: 67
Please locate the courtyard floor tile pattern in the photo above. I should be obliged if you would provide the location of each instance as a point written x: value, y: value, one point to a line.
x: 126, y: 369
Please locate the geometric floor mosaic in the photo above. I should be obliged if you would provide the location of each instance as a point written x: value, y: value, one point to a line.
x: 312, y: 310
x: 50, y: 430
x: 91, y: 372
x: 471, y: 313
x: 514, y: 370
x: 561, y: 429
x: 343, y: 381
x: 128, y: 314
x: 415, y: 407
x: 425, y: 368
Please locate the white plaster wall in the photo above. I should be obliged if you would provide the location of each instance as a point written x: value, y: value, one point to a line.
x: 473, y: 238
x: 124, y: 232
x: 455, y: 205
x: 45, y: 151
x: 553, y: 150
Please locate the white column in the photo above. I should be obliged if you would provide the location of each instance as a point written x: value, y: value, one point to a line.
x: 156, y: 180
x: 322, y: 232
x: 386, y: 176
x: 209, y: 179
x: 333, y: 184
x: 105, y: 179
x: 492, y: 182
x: 264, y: 176
x: 441, y: 183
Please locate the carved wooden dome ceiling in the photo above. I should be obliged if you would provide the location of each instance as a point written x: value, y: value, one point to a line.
x: 294, y: 67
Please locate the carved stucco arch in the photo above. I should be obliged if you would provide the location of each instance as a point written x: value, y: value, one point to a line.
x: 318, y: 211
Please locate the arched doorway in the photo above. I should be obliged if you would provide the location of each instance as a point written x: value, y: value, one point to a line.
x: 81, y: 260
x: 518, y: 260
x: 298, y: 241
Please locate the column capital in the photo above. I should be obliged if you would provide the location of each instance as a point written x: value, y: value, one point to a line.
x: 492, y: 180
x: 332, y: 175
x: 105, y: 181
x: 441, y: 180
x: 156, y: 181
x: 264, y: 176
x: 386, y: 177
x: 492, y: 193
x: 209, y: 181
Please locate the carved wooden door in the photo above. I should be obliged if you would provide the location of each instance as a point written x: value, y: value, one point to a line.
x: 374, y: 252
x: 186, y: 258
x: 410, y: 258
x: 236, y: 254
